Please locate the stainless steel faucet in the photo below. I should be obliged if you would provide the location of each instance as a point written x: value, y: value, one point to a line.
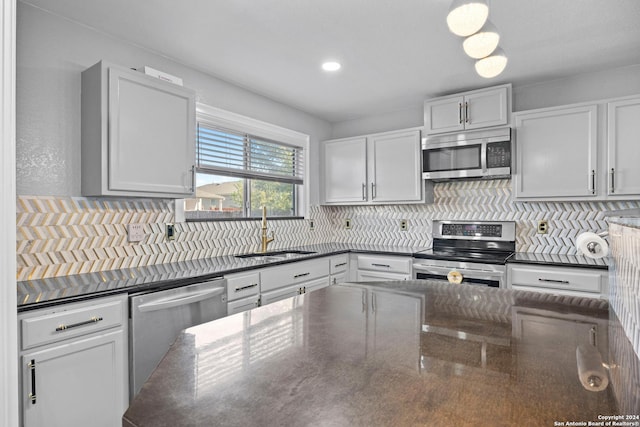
x: 265, y: 239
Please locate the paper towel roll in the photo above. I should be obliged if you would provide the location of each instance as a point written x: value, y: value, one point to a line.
x: 592, y: 245
x: 593, y: 376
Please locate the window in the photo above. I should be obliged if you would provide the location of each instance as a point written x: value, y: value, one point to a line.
x: 243, y: 164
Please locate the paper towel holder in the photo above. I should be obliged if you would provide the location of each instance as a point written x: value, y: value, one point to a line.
x: 595, y: 247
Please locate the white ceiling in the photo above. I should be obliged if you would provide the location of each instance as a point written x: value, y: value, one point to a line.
x: 394, y: 54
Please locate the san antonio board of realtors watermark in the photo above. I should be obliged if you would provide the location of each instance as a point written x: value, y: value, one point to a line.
x: 604, y: 421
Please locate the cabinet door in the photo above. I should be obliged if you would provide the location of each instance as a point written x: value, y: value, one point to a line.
x: 243, y: 304
x: 345, y: 170
x: 380, y: 276
x: 151, y: 135
x: 444, y: 115
x: 395, y: 167
x: 486, y: 108
x: 78, y: 383
x: 312, y: 285
x: 338, y: 278
x: 280, y: 294
x: 556, y: 153
x: 350, y: 304
x: 395, y: 330
x: 624, y: 148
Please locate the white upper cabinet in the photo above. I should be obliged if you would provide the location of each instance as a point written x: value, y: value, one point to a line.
x: 345, y: 170
x: 556, y: 155
x: 623, y: 147
x: 395, y: 167
x: 138, y: 134
x: 579, y: 152
x: 469, y: 110
x: 380, y: 168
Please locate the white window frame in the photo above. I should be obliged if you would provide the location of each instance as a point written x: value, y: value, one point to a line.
x: 237, y: 122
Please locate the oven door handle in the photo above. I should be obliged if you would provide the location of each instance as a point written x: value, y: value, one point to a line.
x: 443, y: 271
x: 179, y: 300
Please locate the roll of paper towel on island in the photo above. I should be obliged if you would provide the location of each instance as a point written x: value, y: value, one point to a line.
x: 591, y: 371
x: 592, y: 245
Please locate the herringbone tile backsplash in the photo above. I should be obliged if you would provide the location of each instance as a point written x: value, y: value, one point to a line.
x: 59, y: 236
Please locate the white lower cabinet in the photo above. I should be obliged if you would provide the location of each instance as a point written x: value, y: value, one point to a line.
x: 243, y: 291
x: 73, y: 361
x: 288, y: 280
x: 571, y: 281
x: 376, y: 268
x: 339, y: 269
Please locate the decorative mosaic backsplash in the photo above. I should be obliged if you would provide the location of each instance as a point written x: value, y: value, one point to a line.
x: 475, y: 200
x: 73, y: 235
x: 60, y: 236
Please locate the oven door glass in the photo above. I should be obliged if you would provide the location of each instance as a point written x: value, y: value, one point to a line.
x: 466, y: 281
x: 452, y: 158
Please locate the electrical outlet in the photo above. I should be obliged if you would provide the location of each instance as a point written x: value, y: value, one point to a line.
x: 171, y: 232
x: 135, y: 232
x: 312, y: 225
x: 347, y: 224
x: 403, y: 225
x: 543, y: 226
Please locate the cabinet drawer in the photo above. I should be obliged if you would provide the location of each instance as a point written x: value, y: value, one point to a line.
x: 298, y: 272
x: 242, y: 285
x: 71, y: 320
x: 388, y: 264
x: 557, y: 278
x: 339, y: 263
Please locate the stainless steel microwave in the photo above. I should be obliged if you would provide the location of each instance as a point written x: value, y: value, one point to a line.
x: 473, y: 154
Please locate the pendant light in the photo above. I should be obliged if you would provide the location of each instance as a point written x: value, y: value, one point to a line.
x: 482, y: 43
x: 467, y: 16
x: 492, y: 65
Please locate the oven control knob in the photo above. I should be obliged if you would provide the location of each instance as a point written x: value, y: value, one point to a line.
x: 454, y: 277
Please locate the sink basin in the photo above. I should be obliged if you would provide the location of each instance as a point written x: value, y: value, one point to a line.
x: 275, y: 256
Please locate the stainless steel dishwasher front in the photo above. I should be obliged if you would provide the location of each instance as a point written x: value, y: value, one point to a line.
x: 157, y: 318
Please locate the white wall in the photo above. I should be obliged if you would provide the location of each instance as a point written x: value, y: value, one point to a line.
x: 8, y: 295
x: 579, y: 88
x: 51, y: 54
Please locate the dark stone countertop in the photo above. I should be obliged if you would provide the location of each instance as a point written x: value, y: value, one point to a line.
x: 34, y: 294
x: 389, y: 354
x: 559, y: 260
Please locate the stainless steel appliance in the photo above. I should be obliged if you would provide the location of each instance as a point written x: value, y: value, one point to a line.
x: 472, y: 154
x: 473, y: 252
x: 158, y: 317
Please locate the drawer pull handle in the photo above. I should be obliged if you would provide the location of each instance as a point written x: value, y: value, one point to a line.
x: 242, y: 288
x: 300, y: 275
x: 63, y: 327
x: 380, y: 265
x: 341, y: 264
x: 565, y: 282
x: 32, y: 367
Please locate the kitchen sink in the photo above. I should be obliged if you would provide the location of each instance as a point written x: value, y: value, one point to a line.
x: 275, y: 255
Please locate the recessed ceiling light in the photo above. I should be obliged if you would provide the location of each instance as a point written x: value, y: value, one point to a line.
x: 331, y: 66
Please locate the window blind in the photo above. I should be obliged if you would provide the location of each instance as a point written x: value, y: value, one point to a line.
x: 227, y: 152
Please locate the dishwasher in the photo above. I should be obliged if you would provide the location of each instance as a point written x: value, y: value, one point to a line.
x: 157, y: 318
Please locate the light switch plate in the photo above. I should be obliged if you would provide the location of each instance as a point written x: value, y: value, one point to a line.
x: 347, y: 223
x: 312, y: 225
x: 135, y: 232
x: 403, y: 225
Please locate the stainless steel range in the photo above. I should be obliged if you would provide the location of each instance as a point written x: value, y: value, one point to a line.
x: 468, y: 252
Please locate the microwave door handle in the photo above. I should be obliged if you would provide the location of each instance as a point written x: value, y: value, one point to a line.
x: 483, y: 157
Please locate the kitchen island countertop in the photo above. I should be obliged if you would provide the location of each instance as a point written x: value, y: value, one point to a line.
x: 394, y: 353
